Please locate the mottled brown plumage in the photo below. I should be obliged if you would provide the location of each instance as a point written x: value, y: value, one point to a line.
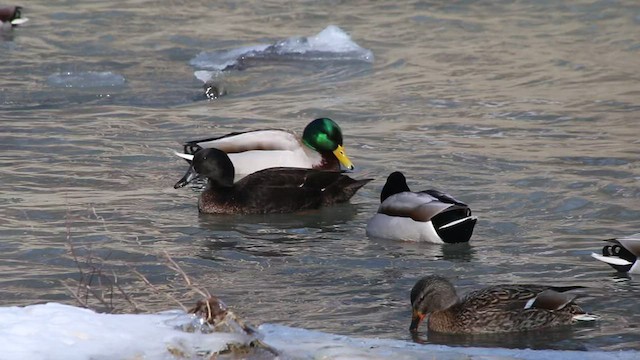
x: 495, y: 309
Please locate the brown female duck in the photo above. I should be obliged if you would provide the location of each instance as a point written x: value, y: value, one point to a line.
x: 495, y: 309
x: 273, y: 190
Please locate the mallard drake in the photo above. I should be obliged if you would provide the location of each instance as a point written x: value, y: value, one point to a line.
x: 273, y: 190
x: 429, y: 215
x: 495, y: 309
x: 12, y: 15
x: 623, y: 254
x: 320, y: 147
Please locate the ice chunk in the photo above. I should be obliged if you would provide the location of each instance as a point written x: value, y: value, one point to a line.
x: 332, y: 43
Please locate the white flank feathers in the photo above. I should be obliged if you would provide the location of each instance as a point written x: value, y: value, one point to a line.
x: 402, y: 228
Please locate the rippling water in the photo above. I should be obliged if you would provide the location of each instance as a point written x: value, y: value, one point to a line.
x: 526, y: 110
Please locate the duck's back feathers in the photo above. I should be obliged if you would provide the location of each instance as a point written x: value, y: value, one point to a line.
x: 417, y: 206
x: 279, y: 190
x: 513, y: 297
x: 246, y: 141
x: 444, y: 197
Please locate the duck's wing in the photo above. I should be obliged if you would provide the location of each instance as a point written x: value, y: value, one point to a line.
x: 419, y: 206
x: 246, y: 141
x: 519, y: 296
x: 290, y: 189
x: 444, y: 197
x: 278, y: 190
x: 287, y: 177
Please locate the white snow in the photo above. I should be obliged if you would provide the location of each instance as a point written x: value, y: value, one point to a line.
x: 56, y: 331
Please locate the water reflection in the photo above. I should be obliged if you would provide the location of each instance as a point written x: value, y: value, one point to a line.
x: 553, y: 338
x: 460, y: 252
x: 272, y: 235
x: 300, y: 223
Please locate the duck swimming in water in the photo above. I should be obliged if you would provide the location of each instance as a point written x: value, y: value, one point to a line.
x: 12, y: 15
x: 430, y: 215
x: 495, y: 309
x: 320, y: 147
x: 273, y: 190
x: 623, y: 254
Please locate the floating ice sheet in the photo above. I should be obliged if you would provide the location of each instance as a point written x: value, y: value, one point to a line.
x: 332, y: 43
x: 86, y: 79
x: 307, y: 344
x: 55, y: 331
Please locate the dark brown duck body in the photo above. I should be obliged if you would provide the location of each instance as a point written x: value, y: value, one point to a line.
x: 273, y: 190
x: 495, y: 309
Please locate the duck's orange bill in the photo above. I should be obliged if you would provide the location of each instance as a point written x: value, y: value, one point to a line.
x: 416, y: 319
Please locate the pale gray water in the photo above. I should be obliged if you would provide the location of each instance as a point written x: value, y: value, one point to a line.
x: 526, y: 110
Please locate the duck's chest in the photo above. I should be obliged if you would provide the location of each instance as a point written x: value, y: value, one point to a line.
x: 213, y: 203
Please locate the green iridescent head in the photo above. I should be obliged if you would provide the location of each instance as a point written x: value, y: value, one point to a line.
x: 324, y: 135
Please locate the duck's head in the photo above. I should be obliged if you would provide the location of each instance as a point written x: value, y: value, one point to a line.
x: 212, y: 164
x: 396, y: 183
x: 324, y: 135
x: 430, y: 294
x: 12, y: 15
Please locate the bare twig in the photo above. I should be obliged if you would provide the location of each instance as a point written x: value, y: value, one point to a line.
x: 168, y: 296
x: 174, y: 266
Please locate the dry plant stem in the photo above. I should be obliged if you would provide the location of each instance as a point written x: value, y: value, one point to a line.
x: 174, y: 266
x: 91, y: 270
x: 126, y: 296
x: 154, y: 288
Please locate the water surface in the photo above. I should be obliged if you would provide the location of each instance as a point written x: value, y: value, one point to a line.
x: 526, y: 110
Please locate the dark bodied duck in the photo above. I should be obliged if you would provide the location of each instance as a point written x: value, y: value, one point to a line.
x: 320, y: 147
x: 430, y: 215
x: 273, y: 190
x: 11, y: 15
x: 622, y: 254
x: 495, y: 309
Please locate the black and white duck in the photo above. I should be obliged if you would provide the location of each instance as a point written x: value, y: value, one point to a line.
x: 319, y: 147
x: 12, y: 15
x: 273, y: 190
x: 430, y: 215
x: 622, y: 254
x: 494, y: 309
